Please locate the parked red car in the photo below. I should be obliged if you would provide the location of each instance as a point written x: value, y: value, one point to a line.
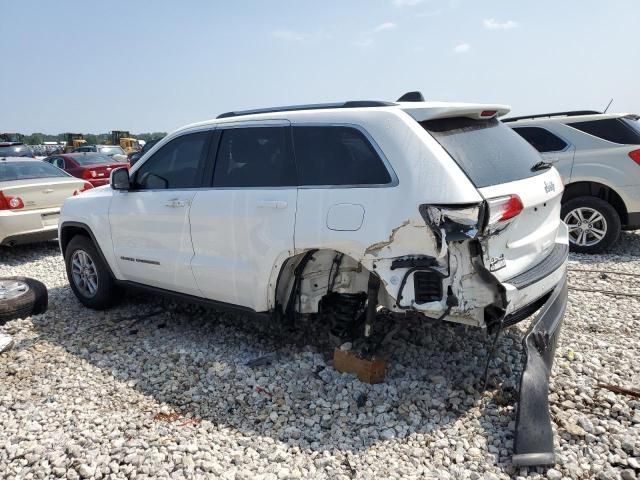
x: 93, y: 167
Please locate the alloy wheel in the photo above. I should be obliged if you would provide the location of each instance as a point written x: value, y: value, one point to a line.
x: 587, y: 226
x: 84, y: 273
x: 10, y: 289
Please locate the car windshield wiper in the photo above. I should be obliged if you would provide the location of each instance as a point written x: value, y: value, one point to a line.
x: 541, y: 165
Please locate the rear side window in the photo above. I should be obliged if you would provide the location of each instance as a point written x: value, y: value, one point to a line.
x: 336, y: 155
x: 176, y: 165
x: 614, y: 130
x: 541, y: 139
x: 488, y: 151
x: 254, y: 157
x: 26, y: 170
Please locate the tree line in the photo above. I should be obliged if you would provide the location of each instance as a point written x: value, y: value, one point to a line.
x: 91, y: 138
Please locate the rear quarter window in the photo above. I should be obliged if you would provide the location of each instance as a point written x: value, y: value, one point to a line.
x: 614, y: 130
x: 488, y: 151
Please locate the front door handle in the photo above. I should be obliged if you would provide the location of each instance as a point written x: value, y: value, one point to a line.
x: 277, y: 204
x: 177, y: 203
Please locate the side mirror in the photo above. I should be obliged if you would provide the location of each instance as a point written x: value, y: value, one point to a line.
x: 119, y: 179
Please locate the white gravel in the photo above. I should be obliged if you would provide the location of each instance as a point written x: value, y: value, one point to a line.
x: 152, y: 389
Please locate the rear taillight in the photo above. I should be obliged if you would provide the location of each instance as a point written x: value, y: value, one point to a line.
x: 9, y: 202
x: 89, y: 174
x: 635, y: 156
x: 504, y: 208
x: 488, y: 113
x: 84, y: 188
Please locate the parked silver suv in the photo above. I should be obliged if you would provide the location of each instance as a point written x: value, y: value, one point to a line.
x: 598, y: 157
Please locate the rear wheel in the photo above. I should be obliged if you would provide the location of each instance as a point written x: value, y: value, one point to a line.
x: 594, y: 225
x: 88, y: 274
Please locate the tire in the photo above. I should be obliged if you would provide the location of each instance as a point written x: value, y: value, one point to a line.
x: 586, y: 235
x: 89, y: 278
x: 21, y: 297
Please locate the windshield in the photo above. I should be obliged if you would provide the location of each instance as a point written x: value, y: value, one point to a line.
x: 26, y: 170
x: 92, y: 159
x: 489, y: 152
x: 112, y: 150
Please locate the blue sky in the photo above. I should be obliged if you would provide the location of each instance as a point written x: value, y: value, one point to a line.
x: 71, y: 65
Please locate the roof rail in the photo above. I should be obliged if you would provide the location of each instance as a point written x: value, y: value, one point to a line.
x: 573, y: 113
x: 314, y: 106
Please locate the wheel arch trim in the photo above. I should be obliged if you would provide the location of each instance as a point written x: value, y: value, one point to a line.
x: 64, y: 241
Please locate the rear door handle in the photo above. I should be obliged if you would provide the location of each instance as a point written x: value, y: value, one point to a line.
x: 277, y: 204
x: 177, y: 203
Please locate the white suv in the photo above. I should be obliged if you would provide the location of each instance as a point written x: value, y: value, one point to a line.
x: 334, y: 209
x: 598, y: 156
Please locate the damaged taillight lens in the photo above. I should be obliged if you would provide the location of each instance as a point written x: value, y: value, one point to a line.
x: 504, y: 208
x: 458, y: 222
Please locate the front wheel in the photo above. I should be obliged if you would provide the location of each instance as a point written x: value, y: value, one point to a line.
x: 594, y: 225
x: 88, y: 274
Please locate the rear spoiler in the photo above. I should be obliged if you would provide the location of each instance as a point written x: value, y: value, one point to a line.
x: 435, y: 110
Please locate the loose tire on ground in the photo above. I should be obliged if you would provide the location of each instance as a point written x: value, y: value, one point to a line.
x: 21, y: 297
x: 610, y: 215
x: 101, y: 293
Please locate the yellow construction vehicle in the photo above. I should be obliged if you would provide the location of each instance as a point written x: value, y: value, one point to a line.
x: 74, y: 140
x: 124, y: 139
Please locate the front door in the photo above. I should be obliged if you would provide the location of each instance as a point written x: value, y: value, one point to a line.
x: 150, y: 223
x: 243, y: 225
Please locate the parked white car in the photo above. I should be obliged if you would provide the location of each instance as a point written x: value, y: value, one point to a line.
x: 598, y: 156
x: 334, y: 209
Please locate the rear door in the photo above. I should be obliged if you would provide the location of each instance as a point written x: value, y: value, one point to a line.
x: 150, y: 223
x: 501, y: 165
x: 551, y: 147
x: 242, y: 226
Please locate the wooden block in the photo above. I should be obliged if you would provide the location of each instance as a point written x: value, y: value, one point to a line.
x: 368, y: 370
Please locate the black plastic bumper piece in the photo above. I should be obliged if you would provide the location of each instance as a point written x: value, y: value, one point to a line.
x: 533, y: 436
x: 546, y: 267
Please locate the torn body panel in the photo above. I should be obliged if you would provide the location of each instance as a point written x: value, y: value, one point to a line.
x: 428, y: 265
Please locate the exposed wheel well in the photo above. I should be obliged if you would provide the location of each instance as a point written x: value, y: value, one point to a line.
x: 68, y: 232
x: 319, y: 272
x: 595, y: 189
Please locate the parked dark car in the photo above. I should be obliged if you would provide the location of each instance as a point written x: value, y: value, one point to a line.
x: 92, y: 167
x: 135, y: 156
x: 15, y: 149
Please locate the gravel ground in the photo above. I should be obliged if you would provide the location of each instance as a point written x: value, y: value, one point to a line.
x: 153, y: 389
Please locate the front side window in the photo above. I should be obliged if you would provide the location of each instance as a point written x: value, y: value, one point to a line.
x: 254, y: 157
x: 175, y: 165
x: 541, y: 139
x: 614, y: 130
x: 337, y: 155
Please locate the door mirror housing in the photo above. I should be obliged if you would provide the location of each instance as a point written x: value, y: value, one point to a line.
x: 119, y: 179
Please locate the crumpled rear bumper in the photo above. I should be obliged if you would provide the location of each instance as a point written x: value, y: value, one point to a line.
x: 533, y: 435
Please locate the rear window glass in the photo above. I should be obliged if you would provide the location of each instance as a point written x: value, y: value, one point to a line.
x: 92, y: 159
x: 542, y: 140
x: 489, y: 152
x: 26, y: 170
x: 15, y: 151
x: 112, y: 150
x: 614, y: 130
